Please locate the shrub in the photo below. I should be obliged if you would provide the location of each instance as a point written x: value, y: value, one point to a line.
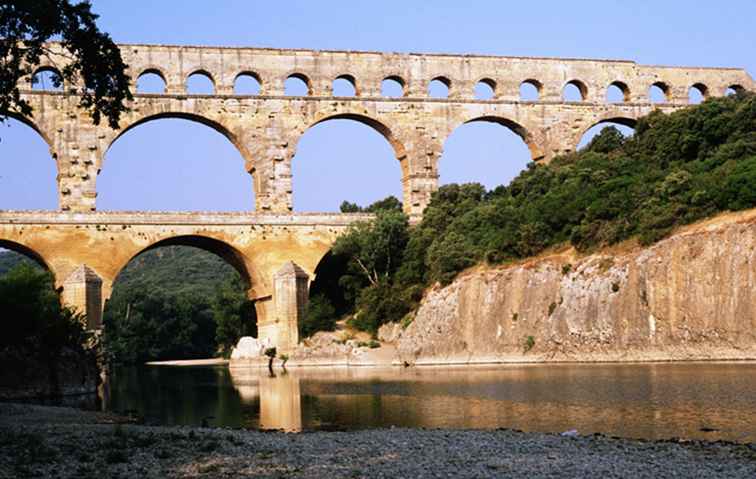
x: 320, y: 316
x: 529, y: 343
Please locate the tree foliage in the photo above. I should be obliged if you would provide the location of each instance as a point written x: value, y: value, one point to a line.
x: 676, y: 169
x: 91, y: 58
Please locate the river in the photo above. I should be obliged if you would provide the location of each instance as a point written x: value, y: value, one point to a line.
x: 653, y: 401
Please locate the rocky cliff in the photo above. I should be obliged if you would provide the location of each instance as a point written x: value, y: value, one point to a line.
x: 691, y: 296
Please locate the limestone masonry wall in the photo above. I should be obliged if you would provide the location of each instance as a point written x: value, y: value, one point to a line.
x: 266, y: 127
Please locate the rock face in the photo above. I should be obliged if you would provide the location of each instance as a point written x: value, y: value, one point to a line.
x: 691, y: 296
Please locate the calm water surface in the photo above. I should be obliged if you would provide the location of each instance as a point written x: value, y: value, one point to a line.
x: 637, y: 400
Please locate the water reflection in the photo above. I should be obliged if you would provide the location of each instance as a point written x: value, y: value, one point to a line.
x: 641, y: 400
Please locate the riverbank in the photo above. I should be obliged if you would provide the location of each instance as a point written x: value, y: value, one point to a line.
x: 44, y: 441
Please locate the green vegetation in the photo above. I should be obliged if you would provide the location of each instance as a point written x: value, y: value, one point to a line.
x: 39, y: 335
x: 176, y: 302
x: 92, y: 58
x: 529, y: 343
x: 676, y: 169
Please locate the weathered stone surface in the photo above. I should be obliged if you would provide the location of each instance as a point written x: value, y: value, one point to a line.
x: 692, y: 296
x: 248, y: 348
x: 266, y: 128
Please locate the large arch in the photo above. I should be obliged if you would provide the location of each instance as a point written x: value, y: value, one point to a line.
x: 28, y: 252
x: 484, y: 133
x: 395, y: 144
x: 20, y: 149
x: 220, y: 248
x: 583, y: 137
x: 242, y: 200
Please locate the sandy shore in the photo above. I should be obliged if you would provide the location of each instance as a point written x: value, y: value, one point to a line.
x: 39, y: 441
x: 190, y: 362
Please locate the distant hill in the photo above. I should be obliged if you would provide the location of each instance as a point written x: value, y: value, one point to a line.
x: 11, y: 259
x: 172, y: 269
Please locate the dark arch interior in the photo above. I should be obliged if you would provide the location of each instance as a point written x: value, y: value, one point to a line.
x: 325, y: 285
x: 28, y: 173
x: 345, y: 157
x: 179, y: 164
x: 439, y: 88
x: 487, y: 150
x: 574, y: 90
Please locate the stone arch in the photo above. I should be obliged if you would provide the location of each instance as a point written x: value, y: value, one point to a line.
x: 663, y: 87
x: 735, y: 87
x: 351, y: 79
x: 490, y: 83
x: 224, y: 250
x: 536, y: 150
x: 49, y: 69
x: 537, y: 85
x: 34, y: 126
x: 396, y: 144
x: 701, y: 88
x: 443, y: 80
x: 302, y: 77
x: 627, y: 121
x: 399, y: 80
x: 223, y: 130
x: 622, y: 86
x: 202, y: 73
x: 580, y: 85
x: 29, y: 252
x: 152, y: 70
x: 251, y: 74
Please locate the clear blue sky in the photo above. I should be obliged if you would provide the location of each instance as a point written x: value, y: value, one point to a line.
x: 178, y: 165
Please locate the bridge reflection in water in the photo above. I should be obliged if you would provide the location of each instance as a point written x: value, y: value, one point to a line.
x: 653, y: 401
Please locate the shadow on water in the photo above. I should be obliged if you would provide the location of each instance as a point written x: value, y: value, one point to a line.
x: 654, y: 401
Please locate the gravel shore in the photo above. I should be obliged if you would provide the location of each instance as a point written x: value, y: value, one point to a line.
x: 41, y: 441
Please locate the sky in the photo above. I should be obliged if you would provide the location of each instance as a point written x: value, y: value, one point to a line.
x: 173, y: 164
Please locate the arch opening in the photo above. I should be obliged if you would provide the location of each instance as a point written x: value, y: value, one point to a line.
x: 346, y: 157
x: 574, y: 91
x: 297, y: 84
x: 47, y: 79
x: 14, y: 254
x: 487, y: 150
x: 658, y: 93
x: 328, y: 300
x: 200, y: 83
x: 28, y: 172
x: 617, y: 92
x: 151, y: 81
x: 180, y: 162
x: 485, y: 89
x: 344, y: 86
x: 247, y: 83
x: 697, y: 93
x: 734, y: 90
x: 393, y: 87
x: 184, y: 297
x: 439, y: 87
x: 625, y: 127
x: 530, y: 90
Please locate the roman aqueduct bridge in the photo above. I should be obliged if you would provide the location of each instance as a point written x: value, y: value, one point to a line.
x: 273, y: 248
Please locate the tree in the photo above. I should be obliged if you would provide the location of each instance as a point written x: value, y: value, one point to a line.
x: 234, y: 315
x: 89, y: 55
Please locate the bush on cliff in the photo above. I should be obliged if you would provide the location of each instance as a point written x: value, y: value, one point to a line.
x: 676, y: 169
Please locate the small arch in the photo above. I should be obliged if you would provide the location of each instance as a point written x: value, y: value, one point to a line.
x: 530, y: 90
x: 574, y: 90
x: 439, y: 87
x: 697, y: 93
x: 247, y: 83
x: 393, y: 87
x: 151, y: 80
x: 297, y: 84
x: 485, y: 89
x: 344, y: 86
x: 734, y: 90
x: 27, y: 252
x: 658, y: 92
x: 617, y: 92
x: 200, y: 82
x: 47, y: 79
